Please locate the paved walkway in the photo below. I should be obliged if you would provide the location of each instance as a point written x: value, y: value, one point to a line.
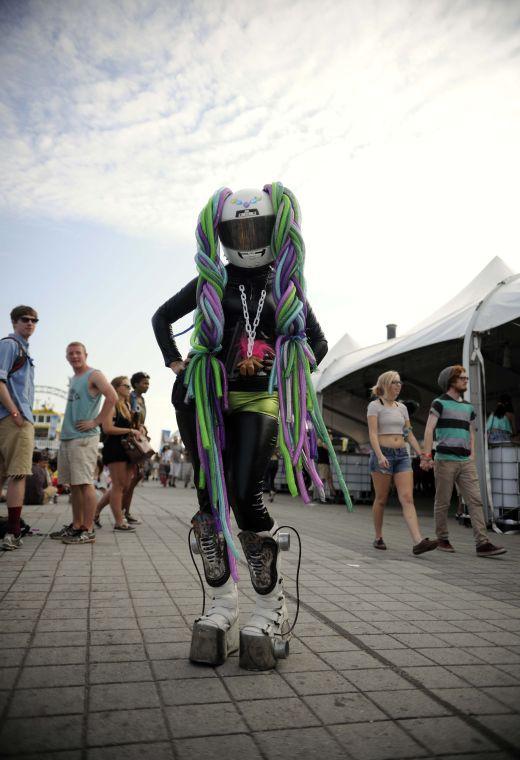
x: 394, y: 657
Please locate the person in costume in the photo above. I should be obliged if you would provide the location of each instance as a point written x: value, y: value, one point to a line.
x: 254, y: 344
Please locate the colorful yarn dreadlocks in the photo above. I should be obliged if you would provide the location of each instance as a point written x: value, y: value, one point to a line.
x: 205, y: 375
x: 294, y: 359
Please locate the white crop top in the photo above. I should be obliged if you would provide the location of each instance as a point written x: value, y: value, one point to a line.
x: 390, y: 420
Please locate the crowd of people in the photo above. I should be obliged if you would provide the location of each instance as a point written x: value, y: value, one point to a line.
x: 113, y: 413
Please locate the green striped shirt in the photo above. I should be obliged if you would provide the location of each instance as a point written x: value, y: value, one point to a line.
x: 453, y: 428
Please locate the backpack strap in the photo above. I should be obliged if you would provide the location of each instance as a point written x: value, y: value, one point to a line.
x: 20, y: 359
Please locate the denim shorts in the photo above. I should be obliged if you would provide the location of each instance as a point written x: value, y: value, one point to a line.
x: 398, y: 459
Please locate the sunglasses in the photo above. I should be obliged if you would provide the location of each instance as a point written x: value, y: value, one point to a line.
x: 396, y: 382
x: 124, y: 385
x: 464, y: 378
x: 26, y: 320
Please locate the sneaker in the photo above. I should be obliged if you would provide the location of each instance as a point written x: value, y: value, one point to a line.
x: 67, y: 530
x: 11, y: 542
x: 490, y: 550
x: 80, y: 536
x: 131, y: 520
x: 379, y: 544
x: 125, y: 528
x: 97, y: 522
x: 445, y: 546
x: 426, y: 545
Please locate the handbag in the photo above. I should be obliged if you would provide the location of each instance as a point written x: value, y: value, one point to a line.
x: 137, y: 450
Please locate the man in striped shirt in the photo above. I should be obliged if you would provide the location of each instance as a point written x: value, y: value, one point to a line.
x: 452, y: 420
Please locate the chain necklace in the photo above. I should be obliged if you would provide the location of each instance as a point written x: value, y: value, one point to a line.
x: 251, y: 330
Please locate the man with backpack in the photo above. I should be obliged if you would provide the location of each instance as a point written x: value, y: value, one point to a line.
x: 16, y: 417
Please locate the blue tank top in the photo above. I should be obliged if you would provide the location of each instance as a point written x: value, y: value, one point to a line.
x: 80, y: 406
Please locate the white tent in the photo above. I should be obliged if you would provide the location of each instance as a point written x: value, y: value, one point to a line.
x: 447, y: 323
x: 476, y: 328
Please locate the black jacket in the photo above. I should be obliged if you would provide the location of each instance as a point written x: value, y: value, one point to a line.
x: 254, y: 280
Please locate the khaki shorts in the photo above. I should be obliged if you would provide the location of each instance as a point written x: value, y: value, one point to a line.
x: 77, y: 460
x: 16, y: 447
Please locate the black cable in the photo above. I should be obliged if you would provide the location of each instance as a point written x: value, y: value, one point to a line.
x: 198, y: 573
x: 283, y: 635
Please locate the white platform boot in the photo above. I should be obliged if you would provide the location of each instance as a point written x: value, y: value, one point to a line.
x: 265, y: 637
x: 215, y: 634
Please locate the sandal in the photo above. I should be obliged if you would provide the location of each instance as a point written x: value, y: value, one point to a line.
x: 379, y: 544
x: 124, y: 527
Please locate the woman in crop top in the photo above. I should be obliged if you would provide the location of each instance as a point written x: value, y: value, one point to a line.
x: 388, y: 427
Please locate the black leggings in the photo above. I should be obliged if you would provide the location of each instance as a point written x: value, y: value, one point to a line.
x: 250, y: 441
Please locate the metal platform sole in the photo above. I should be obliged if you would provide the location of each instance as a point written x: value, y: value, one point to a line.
x: 260, y: 652
x: 211, y: 645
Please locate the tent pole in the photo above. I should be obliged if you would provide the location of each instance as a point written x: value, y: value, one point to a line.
x: 473, y: 360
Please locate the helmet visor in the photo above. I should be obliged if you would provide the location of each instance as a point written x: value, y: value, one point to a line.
x: 247, y: 233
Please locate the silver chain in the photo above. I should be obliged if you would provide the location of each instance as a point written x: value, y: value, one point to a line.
x: 251, y: 331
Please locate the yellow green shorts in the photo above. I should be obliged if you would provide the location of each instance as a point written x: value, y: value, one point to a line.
x: 247, y: 401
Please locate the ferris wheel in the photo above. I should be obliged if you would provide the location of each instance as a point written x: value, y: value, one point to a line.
x: 44, y: 391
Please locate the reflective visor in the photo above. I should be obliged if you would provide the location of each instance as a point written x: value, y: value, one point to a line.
x: 247, y: 233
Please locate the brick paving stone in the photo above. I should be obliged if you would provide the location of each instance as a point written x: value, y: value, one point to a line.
x: 232, y: 747
x: 287, y: 712
x: 14, y: 640
x: 329, y: 644
x: 258, y: 686
x: 49, y: 733
x: 52, y: 675
x: 306, y: 661
x: 171, y: 669
x: 60, y: 639
x: 166, y: 635
x: 155, y: 751
x: 198, y: 720
x: 74, y: 624
x: 13, y: 656
x: 507, y: 695
x: 483, y: 675
x: 408, y: 704
x: 507, y: 726
x: 125, y: 726
x: 345, y: 708
x: 350, y: 660
x: 435, y: 677
x: 452, y: 656
x: 169, y: 650
x: 405, y: 657
x: 382, y: 740
x: 328, y: 682
x: 447, y: 735
x: 497, y: 655
x: 116, y: 672
x: 376, y: 679
x: 299, y: 744
x: 119, y: 653
x: 192, y: 691
x: 473, y: 701
x: 62, y: 700
x: 381, y: 641
x: 103, y: 638
x: 123, y: 696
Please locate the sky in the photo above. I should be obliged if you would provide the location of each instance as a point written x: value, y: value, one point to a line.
x: 394, y: 122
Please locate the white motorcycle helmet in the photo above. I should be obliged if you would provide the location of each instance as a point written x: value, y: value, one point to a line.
x: 246, y: 227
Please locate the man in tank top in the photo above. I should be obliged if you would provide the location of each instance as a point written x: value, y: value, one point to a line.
x: 77, y: 457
